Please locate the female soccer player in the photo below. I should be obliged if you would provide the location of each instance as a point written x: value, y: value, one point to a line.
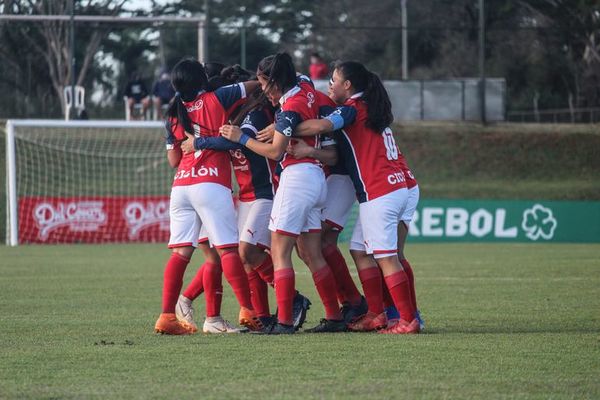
x: 372, y: 158
x: 296, y: 206
x: 255, y: 177
x: 201, y: 192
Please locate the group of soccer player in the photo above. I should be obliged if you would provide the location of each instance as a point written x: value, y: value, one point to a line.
x: 301, y: 159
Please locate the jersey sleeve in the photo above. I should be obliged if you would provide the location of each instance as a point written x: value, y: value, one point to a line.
x: 229, y: 95
x: 254, y: 122
x: 215, y: 143
x: 173, y: 134
x: 342, y: 116
x: 286, y: 122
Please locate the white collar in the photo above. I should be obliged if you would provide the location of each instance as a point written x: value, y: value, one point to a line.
x: 357, y: 95
x: 289, y: 94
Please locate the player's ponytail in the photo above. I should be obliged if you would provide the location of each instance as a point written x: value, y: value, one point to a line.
x: 379, y: 107
x: 188, y: 79
x: 279, y: 71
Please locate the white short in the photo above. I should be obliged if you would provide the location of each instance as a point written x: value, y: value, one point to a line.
x: 203, y: 236
x: 341, y: 195
x: 253, y: 222
x: 376, y: 229
x: 203, y: 204
x: 299, y: 199
x: 411, y: 205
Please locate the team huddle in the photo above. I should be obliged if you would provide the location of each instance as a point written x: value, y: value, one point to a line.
x: 301, y: 159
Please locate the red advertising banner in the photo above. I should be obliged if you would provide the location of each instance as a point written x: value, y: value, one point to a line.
x: 93, y: 219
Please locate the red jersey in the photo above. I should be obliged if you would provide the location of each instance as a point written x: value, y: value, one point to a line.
x: 297, y: 104
x: 208, y: 112
x: 318, y: 70
x: 372, y: 158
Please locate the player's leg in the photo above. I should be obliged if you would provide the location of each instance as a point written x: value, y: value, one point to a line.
x: 372, y: 283
x: 184, y: 226
x: 215, y: 207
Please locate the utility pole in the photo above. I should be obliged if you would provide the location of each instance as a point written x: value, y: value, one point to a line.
x: 404, y: 42
x: 203, y: 35
x: 482, y: 62
x: 71, y: 111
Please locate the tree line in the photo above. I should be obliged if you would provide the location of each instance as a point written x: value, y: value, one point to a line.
x: 548, y: 50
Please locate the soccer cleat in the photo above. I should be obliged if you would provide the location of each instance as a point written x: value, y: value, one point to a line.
x: 185, y: 312
x: 219, y: 325
x: 403, y: 327
x: 249, y: 319
x: 369, y: 322
x: 328, y: 326
x: 300, y: 307
x: 277, y: 329
x: 421, y: 321
x: 268, y: 320
x: 168, y: 324
x: 351, y: 313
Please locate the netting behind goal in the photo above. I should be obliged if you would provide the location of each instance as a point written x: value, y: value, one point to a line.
x: 86, y: 182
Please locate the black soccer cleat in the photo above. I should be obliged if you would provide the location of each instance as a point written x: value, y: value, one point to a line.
x: 277, y: 329
x: 328, y: 326
x: 351, y: 313
x: 300, y: 307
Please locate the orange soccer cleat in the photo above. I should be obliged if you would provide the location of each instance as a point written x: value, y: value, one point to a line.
x: 168, y: 324
x: 403, y: 327
x: 369, y: 322
x: 249, y: 319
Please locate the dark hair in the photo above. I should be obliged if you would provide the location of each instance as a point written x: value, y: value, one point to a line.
x: 188, y: 78
x: 316, y: 55
x: 279, y: 70
x: 213, y: 68
x: 379, y: 107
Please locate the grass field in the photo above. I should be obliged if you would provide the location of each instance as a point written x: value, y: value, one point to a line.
x: 503, y: 321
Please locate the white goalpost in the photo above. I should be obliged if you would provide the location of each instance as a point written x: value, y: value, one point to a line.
x: 86, y: 182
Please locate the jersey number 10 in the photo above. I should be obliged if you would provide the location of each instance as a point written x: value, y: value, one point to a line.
x: 390, y: 144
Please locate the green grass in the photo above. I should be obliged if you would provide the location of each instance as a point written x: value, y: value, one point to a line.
x: 503, y: 321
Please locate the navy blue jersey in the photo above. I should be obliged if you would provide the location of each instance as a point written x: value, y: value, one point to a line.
x: 254, y: 173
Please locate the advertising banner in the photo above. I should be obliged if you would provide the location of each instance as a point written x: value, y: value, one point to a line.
x: 502, y: 221
x: 93, y: 219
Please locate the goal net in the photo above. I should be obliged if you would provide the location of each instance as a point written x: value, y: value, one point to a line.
x: 86, y: 182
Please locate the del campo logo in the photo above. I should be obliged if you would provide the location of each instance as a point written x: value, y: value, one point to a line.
x: 492, y: 222
x: 538, y: 222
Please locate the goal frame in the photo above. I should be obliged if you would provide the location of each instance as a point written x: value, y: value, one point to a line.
x: 12, y: 217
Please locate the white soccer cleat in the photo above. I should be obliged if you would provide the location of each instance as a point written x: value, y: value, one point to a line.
x: 219, y: 325
x: 185, y: 312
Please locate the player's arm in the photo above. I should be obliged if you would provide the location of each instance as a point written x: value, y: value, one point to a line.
x: 341, y: 117
x: 192, y: 143
x: 273, y: 150
x: 174, y: 153
x: 328, y: 155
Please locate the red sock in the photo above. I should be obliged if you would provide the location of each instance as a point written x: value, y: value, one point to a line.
x: 259, y: 294
x: 265, y: 271
x: 325, y: 283
x: 237, y: 278
x: 373, y: 287
x: 285, y: 290
x: 387, y: 297
x: 411, y: 281
x: 345, y: 286
x: 400, y: 291
x: 196, y: 287
x: 173, y: 281
x: 213, y: 289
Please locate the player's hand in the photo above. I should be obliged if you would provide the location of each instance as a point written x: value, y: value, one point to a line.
x: 187, y: 146
x: 231, y: 132
x: 266, y: 135
x: 299, y: 149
